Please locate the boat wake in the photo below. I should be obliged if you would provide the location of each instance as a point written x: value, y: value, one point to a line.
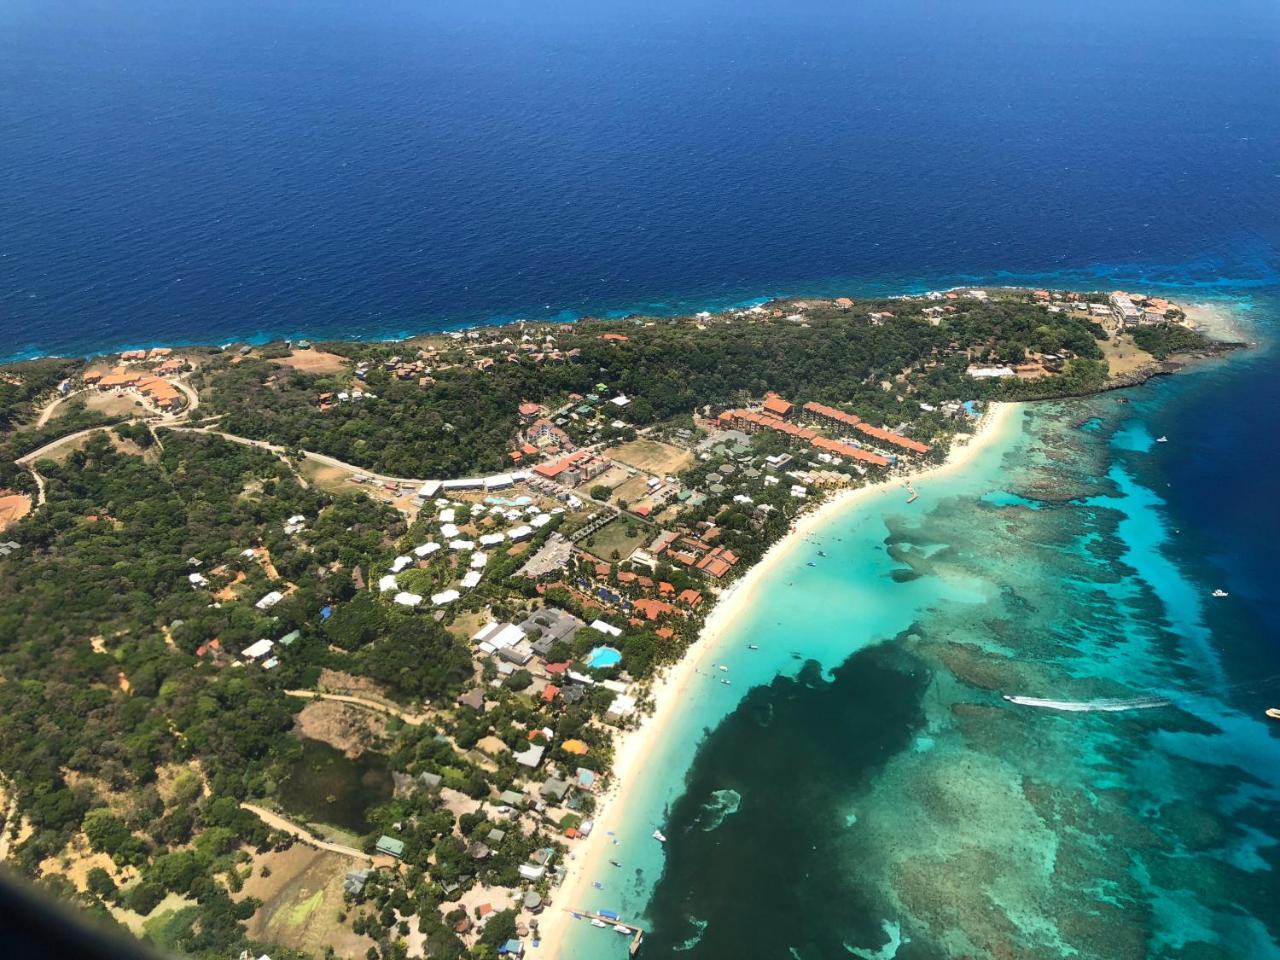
x: 1091, y: 706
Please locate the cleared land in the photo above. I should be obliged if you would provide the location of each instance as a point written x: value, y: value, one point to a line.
x: 314, y: 361
x: 652, y: 456
x: 301, y: 900
x: 13, y: 507
x: 1124, y: 356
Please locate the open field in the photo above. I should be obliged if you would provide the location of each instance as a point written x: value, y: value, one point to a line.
x: 327, y: 478
x: 633, y: 491
x: 614, y: 537
x: 109, y: 404
x: 1124, y: 356
x: 651, y: 455
x: 300, y: 901
x: 314, y: 361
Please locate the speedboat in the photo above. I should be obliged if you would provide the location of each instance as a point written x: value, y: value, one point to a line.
x: 622, y: 928
x: 724, y: 681
x: 1162, y: 439
x: 812, y: 564
x: 723, y: 667
x: 1274, y: 713
x: 822, y: 553
x: 753, y: 646
x: 1221, y: 593
x: 659, y: 836
x: 598, y: 923
x: 615, y: 863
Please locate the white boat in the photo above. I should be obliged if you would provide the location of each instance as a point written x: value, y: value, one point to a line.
x: 753, y: 646
x: 724, y: 668
x: 598, y: 923
x: 725, y: 682
x: 659, y: 836
x: 622, y: 928
x: 1162, y: 439
x: 1221, y: 593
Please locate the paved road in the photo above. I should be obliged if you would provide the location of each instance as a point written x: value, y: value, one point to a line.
x: 413, y: 719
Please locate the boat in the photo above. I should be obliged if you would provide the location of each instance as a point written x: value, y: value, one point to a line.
x: 622, y: 928
x: 812, y: 564
x: 1162, y: 439
x: 1274, y: 713
x: 724, y: 681
x: 822, y: 553
x: 598, y: 923
x: 659, y: 836
x: 723, y: 667
x: 753, y: 646
x: 1221, y: 593
x: 615, y: 863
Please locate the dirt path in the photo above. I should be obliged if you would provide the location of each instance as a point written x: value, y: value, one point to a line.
x: 413, y: 719
x: 277, y: 822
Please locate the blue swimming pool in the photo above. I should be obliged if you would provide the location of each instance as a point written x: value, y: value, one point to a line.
x: 604, y: 657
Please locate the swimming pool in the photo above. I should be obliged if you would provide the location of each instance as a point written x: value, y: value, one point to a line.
x: 604, y: 657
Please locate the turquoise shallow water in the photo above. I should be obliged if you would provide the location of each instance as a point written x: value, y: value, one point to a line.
x: 862, y: 789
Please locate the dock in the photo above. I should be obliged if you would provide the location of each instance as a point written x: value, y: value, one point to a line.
x: 637, y: 931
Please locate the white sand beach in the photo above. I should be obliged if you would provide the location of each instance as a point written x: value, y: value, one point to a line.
x: 633, y: 748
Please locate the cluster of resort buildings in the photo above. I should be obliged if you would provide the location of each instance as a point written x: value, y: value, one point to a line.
x: 146, y: 373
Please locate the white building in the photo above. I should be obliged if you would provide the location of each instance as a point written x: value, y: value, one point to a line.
x: 406, y: 599
x: 270, y: 600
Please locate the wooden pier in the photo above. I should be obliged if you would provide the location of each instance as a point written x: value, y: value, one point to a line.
x: 637, y: 931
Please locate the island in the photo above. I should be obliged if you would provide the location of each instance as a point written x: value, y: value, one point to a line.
x: 341, y: 649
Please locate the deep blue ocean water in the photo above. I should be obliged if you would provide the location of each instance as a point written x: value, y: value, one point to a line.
x: 202, y: 172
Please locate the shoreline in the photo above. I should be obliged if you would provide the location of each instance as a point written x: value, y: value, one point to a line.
x: 676, y: 307
x: 634, y: 747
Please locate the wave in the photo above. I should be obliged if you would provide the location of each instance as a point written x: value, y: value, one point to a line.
x: 1091, y: 706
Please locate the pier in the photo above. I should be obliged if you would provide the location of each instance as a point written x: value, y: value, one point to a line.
x: 613, y: 921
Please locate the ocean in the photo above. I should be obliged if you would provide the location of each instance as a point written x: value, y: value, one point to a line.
x: 177, y: 173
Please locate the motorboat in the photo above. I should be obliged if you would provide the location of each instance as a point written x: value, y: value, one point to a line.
x: 1162, y: 439
x: 1221, y: 593
x: 723, y: 667
x: 659, y: 836
x: 753, y: 646
x: 622, y: 928
x: 598, y: 923
x: 1274, y: 713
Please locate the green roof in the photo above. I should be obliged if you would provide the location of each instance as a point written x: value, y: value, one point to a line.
x: 288, y: 638
x: 390, y: 845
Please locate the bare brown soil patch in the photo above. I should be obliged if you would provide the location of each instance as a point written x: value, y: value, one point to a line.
x: 314, y: 361
x: 341, y: 725
x: 13, y: 507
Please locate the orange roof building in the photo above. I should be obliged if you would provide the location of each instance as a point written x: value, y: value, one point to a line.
x: 887, y: 436
x: 775, y: 406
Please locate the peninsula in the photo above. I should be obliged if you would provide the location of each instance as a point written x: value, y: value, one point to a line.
x: 353, y: 648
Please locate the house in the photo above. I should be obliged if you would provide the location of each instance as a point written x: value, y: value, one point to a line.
x: 390, y: 846
x: 270, y: 600
x: 530, y: 757
x: 431, y: 781
x: 510, y: 798
x: 473, y: 698
x: 553, y: 790
x: 259, y: 648
x: 622, y: 707
x: 353, y: 883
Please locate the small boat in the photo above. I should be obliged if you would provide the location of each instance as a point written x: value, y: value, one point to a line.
x: 622, y: 928
x: 1221, y: 593
x: 659, y: 836
x: 1274, y: 713
x: 615, y: 863
x: 724, y: 681
x: 598, y: 923
x: 812, y: 564
x: 753, y: 646
x: 1162, y: 439
x: 822, y: 553
x: 723, y: 667
x: 597, y: 884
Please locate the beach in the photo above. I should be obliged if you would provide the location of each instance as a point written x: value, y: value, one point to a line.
x: 672, y: 691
